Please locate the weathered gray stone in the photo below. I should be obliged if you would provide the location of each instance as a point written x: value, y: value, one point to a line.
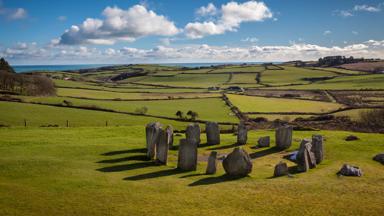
x: 162, y: 147
x: 169, y: 132
x: 212, y: 131
x: 212, y: 163
x: 187, y: 158
x: 192, y: 133
x: 152, y: 134
x: 263, y: 141
x: 379, y: 158
x: 237, y: 163
x: 283, y: 137
x: 242, y: 133
x: 351, y: 138
x: 281, y: 169
x: 348, y: 170
x: 318, y: 148
x: 305, y: 157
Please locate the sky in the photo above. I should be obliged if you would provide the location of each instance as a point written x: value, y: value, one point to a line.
x: 37, y: 32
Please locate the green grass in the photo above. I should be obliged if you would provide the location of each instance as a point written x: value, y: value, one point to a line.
x: 346, y: 83
x: 262, y: 104
x: 291, y: 75
x: 212, y: 109
x: 239, y: 69
x: 272, y: 117
x: 189, y: 80
x: 60, y: 172
x: 244, y: 78
x: 99, y: 94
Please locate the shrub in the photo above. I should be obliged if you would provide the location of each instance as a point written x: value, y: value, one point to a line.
x: 142, y: 110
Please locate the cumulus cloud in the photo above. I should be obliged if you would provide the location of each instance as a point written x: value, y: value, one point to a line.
x: 208, y: 10
x: 32, y: 52
x: 232, y: 15
x: 13, y: 13
x: 119, y: 25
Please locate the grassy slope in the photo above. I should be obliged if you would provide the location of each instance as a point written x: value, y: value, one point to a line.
x: 56, y: 173
x: 262, y: 104
x: 189, y: 80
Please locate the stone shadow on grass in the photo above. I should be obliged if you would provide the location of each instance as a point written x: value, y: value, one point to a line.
x: 129, y: 158
x: 225, y: 147
x: 265, y: 152
x: 156, y: 174
x: 138, y: 150
x: 215, y: 180
x: 125, y: 167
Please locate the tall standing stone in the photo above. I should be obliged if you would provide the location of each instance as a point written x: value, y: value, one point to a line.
x: 152, y: 134
x: 162, y: 147
x: 169, y: 132
x: 318, y: 148
x: 305, y: 157
x: 242, y: 133
x: 212, y: 131
x: 212, y: 163
x: 237, y: 163
x: 192, y: 134
x: 283, y: 137
x: 187, y: 158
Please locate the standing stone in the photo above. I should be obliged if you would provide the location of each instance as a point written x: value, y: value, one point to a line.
x: 162, y: 147
x: 263, y: 141
x: 283, y: 137
x: 187, y: 158
x: 152, y: 134
x: 317, y: 148
x: 348, y: 170
x: 212, y: 163
x: 237, y: 163
x: 169, y: 132
x: 192, y: 134
x: 281, y: 169
x: 379, y: 158
x: 242, y: 133
x: 305, y: 157
x: 212, y: 131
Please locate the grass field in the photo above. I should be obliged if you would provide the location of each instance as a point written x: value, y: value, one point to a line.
x: 102, y: 171
x: 262, y: 104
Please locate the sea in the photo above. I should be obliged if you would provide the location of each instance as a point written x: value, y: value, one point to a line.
x: 31, y: 68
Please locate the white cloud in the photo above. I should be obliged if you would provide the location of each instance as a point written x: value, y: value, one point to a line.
x: 208, y: 10
x: 345, y: 13
x: 366, y: 8
x: 232, y: 15
x: 119, y: 25
x: 32, y: 53
x: 355, y: 32
x: 62, y: 18
x: 13, y: 13
x: 250, y: 39
x: 327, y: 32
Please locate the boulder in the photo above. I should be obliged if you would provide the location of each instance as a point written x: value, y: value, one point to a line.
x: 169, y: 132
x: 379, y: 158
x: 212, y: 131
x: 351, y: 138
x: 242, y: 133
x: 348, y: 170
x: 192, y: 134
x: 263, y: 141
x: 212, y: 163
x: 152, y: 134
x: 187, y: 158
x: 283, y: 137
x: 162, y: 147
x: 237, y: 163
x: 305, y: 157
x: 318, y: 148
x: 281, y: 169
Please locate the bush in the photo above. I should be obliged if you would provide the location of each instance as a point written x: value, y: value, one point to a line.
x: 142, y: 110
x: 372, y: 118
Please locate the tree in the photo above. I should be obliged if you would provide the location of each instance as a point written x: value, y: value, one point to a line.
x: 5, y: 67
x: 179, y: 114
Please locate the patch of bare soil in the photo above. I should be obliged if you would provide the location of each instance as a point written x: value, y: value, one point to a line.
x: 296, y: 94
x: 372, y: 67
x: 359, y: 98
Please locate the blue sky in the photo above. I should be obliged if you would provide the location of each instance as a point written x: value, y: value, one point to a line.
x: 124, y: 31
